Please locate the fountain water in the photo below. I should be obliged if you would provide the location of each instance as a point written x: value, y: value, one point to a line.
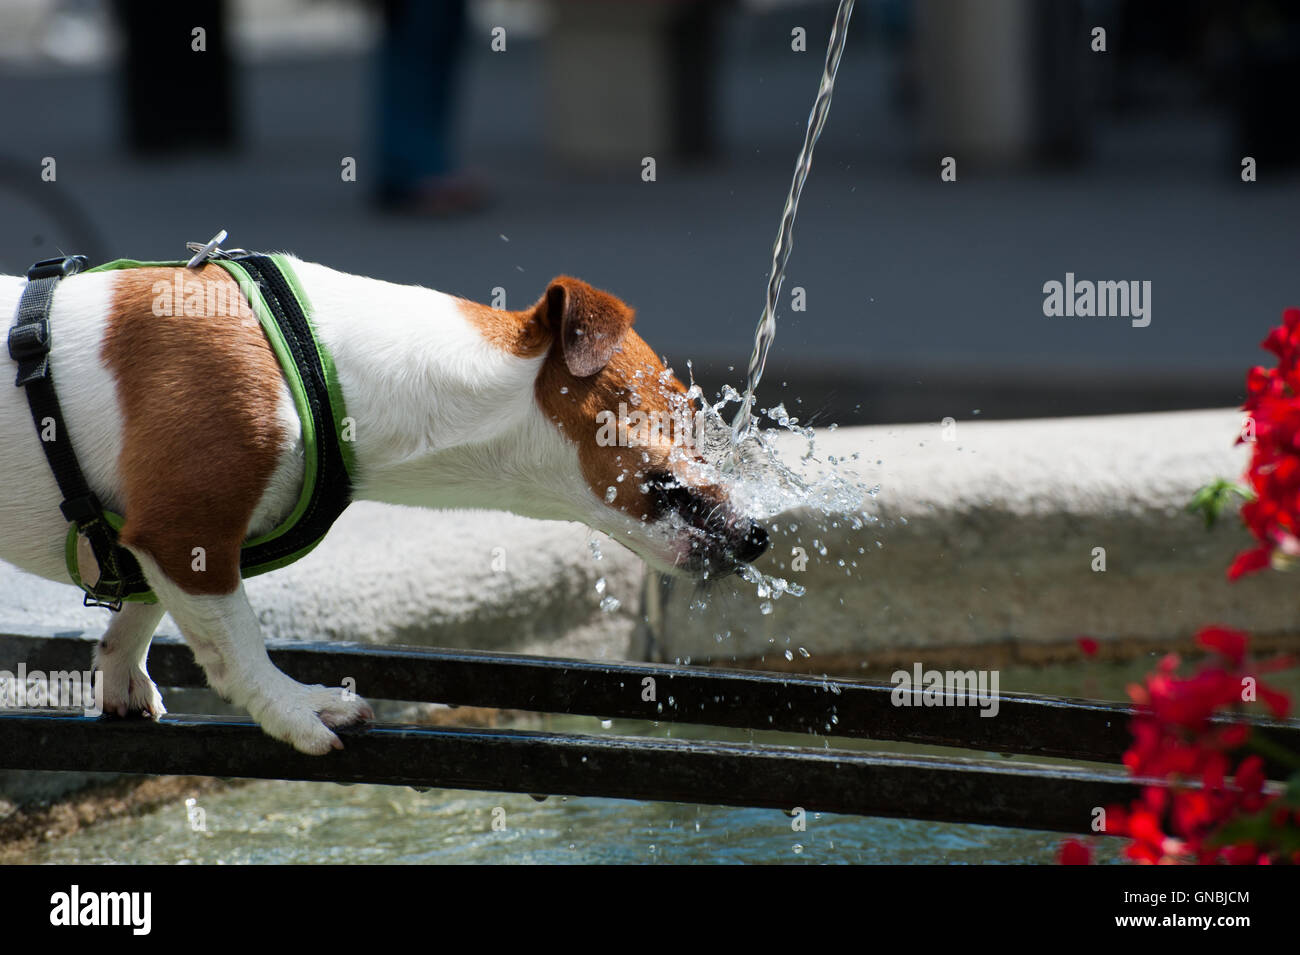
x: 746, y: 458
x: 766, y: 331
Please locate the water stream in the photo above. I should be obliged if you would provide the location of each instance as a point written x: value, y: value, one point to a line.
x: 766, y: 331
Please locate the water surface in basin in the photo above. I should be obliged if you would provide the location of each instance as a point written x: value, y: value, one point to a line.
x: 293, y: 822
x: 287, y: 822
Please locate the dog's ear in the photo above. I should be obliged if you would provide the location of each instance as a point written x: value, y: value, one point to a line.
x: 586, y: 324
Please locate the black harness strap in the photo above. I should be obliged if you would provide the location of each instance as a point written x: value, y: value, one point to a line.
x: 29, y: 345
x: 120, y: 574
x: 332, y: 491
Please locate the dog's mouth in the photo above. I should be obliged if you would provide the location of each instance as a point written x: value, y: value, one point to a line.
x: 707, y: 538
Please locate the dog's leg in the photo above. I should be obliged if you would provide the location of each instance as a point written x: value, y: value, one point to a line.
x: 224, y: 634
x: 209, y: 432
x: 121, y: 654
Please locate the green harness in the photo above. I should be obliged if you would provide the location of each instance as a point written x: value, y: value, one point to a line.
x: 283, y: 311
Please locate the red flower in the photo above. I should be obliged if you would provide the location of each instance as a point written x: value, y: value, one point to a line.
x: 1074, y: 852
x: 1087, y: 646
x: 1203, y: 780
x: 1273, y: 404
x: 1277, y: 701
x: 1249, y: 561
x: 1230, y: 643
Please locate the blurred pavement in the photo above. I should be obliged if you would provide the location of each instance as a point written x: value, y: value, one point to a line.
x: 924, y: 297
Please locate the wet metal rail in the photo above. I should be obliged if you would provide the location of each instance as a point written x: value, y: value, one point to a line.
x: 1025, y: 724
x: 712, y: 773
x: 989, y: 791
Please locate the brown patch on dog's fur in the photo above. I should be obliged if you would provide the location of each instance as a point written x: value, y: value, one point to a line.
x: 514, y: 332
x: 199, y: 395
x: 584, y: 327
x: 588, y: 323
x: 633, y: 375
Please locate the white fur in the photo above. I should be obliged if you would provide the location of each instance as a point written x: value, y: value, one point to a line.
x: 33, y: 528
x: 121, y: 656
x: 443, y: 418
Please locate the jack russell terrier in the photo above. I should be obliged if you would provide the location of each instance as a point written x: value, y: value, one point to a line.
x: 184, y: 419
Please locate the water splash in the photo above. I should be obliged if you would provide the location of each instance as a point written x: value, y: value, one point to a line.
x: 762, y: 483
x: 766, y: 331
x: 608, y: 603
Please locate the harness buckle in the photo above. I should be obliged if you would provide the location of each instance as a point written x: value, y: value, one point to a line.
x: 82, y: 510
x: 29, y: 346
x: 114, y: 605
x: 28, y: 341
x: 61, y: 267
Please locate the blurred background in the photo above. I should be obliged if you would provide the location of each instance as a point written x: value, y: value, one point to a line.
x: 484, y: 145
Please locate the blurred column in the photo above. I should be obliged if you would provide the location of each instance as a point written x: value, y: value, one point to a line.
x: 1000, y: 80
x: 1264, y: 75
x: 629, y: 79
x: 176, y: 97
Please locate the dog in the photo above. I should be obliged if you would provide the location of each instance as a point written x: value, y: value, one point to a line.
x: 183, y: 422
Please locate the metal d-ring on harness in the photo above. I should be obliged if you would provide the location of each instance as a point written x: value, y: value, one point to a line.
x: 282, y: 311
x: 29, y: 345
x: 203, y: 251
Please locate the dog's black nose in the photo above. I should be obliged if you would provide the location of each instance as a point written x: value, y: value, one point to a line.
x: 753, y: 545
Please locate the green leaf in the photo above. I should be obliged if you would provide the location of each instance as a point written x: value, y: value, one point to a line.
x: 1216, y: 497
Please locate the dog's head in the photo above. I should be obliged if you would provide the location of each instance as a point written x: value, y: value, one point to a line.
x: 630, y: 429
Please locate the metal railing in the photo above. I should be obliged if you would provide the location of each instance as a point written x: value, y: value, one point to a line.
x: 986, y: 789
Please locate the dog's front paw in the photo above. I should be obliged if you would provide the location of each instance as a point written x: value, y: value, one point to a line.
x: 306, y: 720
x: 128, y: 691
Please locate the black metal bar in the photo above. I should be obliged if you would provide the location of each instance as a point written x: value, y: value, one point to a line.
x: 835, y: 781
x: 1025, y: 724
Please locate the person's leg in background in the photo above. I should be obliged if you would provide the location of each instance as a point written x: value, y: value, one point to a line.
x: 419, y: 56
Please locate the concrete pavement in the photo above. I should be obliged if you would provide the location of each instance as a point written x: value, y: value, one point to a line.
x: 924, y: 297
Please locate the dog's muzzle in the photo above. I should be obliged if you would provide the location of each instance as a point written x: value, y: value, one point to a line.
x: 719, y: 540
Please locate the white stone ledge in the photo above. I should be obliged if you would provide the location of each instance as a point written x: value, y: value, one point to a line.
x: 983, y: 540
x: 384, y: 574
